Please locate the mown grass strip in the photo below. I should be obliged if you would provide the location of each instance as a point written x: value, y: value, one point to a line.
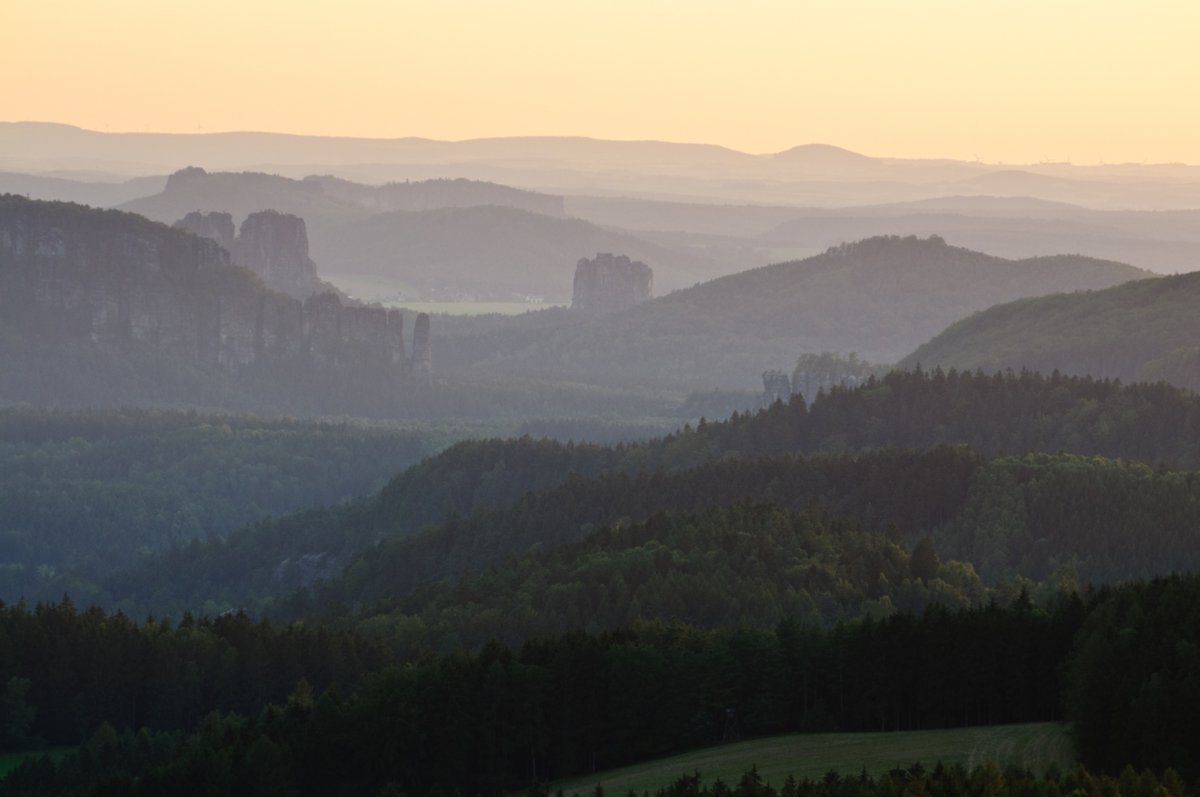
x: 811, y: 755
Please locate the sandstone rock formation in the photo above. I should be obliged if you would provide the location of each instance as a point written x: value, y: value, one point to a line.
x: 610, y: 284
x: 422, y: 368
x: 339, y: 336
x: 822, y: 372
x: 273, y: 245
x: 777, y: 386
x: 216, y: 226
x: 79, y: 277
x: 279, y: 328
x: 70, y: 274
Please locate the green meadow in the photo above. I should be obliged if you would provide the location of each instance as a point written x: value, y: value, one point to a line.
x: 811, y: 755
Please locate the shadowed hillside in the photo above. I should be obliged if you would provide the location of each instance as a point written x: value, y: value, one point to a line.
x: 1144, y: 330
x: 879, y: 297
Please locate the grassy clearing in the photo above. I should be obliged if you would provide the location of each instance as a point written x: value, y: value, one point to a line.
x: 388, y: 290
x: 10, y: 761
x: 470, y: 308
x: 811, y: 755
x: 371, y: 287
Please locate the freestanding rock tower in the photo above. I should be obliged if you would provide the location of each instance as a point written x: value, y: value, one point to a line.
x: 422, y: 364
x: 271, y: 244
x: 215, y: 226
x: 610, y: 284
x: 275, y: 246
x: 777, y: 386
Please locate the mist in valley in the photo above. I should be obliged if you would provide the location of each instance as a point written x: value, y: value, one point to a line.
x: 466, y: 399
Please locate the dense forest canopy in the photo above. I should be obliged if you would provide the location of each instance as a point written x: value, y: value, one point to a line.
x: 83, y: 493
x: 501, y: 719
x: 559, y: 465
x: 480, y: 503
x: 361, y: 607
x: 796, y: 565
x: 1145, y: 330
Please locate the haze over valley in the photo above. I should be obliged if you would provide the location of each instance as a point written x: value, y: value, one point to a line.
x: 528, y: 399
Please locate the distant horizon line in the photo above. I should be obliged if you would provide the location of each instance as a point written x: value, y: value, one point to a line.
x: 812, y: 145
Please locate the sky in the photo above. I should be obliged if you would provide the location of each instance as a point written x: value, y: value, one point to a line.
x: 1016, y: 81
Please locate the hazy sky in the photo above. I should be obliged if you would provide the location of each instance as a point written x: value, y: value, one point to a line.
x: 1002, y: 80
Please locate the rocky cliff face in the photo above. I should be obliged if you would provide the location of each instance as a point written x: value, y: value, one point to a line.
x: 354, y: 336
x: 422, y: 368
x: 777, y: 386
x: 74, y: 276
x: 272, y: 245
x: 609, y: 284
x: 214, y: 226
x: 275, y: 247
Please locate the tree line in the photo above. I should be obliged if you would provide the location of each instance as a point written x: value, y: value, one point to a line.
x: 305, y: 710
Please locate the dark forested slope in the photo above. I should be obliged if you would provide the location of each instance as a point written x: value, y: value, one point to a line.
x: 541, y: 566
x: 1118, y: 664
x: 492, y: 721
x: 496, y: 499
x: 748, y: 564
x: 83, y: 493
x: 1144, y: 330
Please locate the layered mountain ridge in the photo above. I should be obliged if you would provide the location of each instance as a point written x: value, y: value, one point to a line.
x: 79, y: 285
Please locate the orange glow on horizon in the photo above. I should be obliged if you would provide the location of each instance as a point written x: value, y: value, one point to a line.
x: 1014, y: 81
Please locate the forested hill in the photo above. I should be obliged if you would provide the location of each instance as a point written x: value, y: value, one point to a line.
x: 880, y: 297
x: 1143, y: 330
x: 84, y: 493
x: 999, y: 413
x: 511, y: 495
x: 748, y: 564
x: 606, y: 551
x: 727, y: 509
x: 1121, y: 664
